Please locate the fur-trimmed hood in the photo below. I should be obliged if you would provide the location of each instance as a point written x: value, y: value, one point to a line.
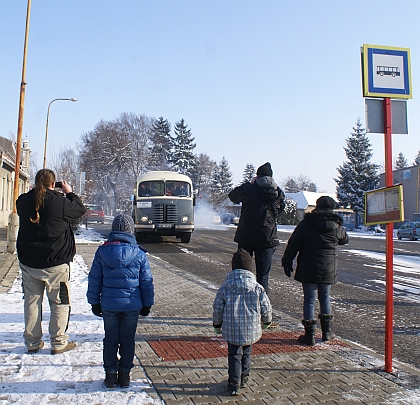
x: 324, y: 220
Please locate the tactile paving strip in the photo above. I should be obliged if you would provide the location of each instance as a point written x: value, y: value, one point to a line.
x: 206, y: 347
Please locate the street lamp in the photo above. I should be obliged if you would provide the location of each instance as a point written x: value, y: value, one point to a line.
x: 46, y: 127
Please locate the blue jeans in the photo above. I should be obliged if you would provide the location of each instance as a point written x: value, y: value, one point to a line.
x: 263, y: 260
x: 120, y: 330
x: 309, y: 296
x: 239, y: 362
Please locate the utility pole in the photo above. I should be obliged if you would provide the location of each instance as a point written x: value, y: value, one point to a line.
x: 13, y: 218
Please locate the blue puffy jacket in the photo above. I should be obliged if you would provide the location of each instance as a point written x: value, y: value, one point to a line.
x: 120, y: 278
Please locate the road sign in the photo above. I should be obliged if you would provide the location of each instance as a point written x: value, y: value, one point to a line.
x: 386, y: 72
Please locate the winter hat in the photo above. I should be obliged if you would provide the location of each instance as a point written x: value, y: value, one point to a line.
x: 265, y: 170
x: 325, y: 203
x: 242, y: 260
x: 123, y: 223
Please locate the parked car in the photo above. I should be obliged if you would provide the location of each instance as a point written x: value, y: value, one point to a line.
x: 94, y: 213
x: 230, y: 219
x: 410, y: 230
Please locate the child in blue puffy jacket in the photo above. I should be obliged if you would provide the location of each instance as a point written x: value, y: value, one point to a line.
x: 120, y: 287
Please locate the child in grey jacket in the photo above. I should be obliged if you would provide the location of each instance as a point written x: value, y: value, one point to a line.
x: 241, y: 310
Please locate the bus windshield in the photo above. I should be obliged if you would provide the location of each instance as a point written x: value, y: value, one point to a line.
x: 160, y: 188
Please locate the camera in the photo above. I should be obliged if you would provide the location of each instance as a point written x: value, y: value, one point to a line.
x: 58, y: 184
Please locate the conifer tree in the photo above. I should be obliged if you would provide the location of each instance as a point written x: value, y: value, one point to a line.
x: 249, y: 173
x: 401, y: 162
x: 357, y: 174
x: 160, y: 152
x: 183, y: 158
x: 417, y: 159
x: 221, y: 185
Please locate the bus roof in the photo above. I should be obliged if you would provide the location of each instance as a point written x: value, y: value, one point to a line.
x: 163, y: 175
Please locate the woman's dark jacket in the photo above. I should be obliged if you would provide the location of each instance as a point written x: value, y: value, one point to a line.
x: 262, y: 201
x: 316, y: 238
x: 51, y: 241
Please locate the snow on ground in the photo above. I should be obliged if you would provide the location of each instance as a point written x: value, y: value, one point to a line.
x: 74, y: 377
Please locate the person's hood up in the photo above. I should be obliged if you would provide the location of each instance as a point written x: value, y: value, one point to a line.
x: 124, y: 251
x: 240, y: 281
x: 266, y: 182
x: 324, y: 221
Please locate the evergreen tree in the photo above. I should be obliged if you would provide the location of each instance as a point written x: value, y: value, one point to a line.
x: 160, y: 152
x: 221, y: 185
x: 289, y: 216
x: 417, y: 159
x: 203, y: 175
x: 357, y: 174
x: 183, y: 158
x: 249, y: 173
x: 400, y: 162
x: 291, y: 186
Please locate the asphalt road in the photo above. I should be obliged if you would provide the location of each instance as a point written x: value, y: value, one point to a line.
x: 358, y: 299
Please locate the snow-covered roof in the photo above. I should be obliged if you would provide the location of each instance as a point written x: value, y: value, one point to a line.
x: 307, y: 198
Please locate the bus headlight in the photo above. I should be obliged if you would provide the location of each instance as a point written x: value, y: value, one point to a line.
x: 184, y: 219
x: 144, y: 218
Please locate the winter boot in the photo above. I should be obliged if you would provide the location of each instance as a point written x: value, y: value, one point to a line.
x: 124, y: 378
x: 309, y: 336
x: 110, y: 381
x: 233, y: 389
x: 326, y: 326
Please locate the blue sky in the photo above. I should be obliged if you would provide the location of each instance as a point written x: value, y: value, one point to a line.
x: 255, y: 81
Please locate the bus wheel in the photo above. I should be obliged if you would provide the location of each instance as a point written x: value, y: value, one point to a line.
x: 186, y: 237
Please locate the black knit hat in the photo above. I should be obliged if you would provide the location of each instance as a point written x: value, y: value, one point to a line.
x: 242, y: 260
x: 265, y: 170
x: 326, y: 203
x: 123, y: 223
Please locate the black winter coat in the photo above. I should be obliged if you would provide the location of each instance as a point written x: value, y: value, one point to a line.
x: 51, y: 242
x: 316, y: 238
x: 262, y: 201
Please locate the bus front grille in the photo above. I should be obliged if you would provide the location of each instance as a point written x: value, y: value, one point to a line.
x: 165, y: 214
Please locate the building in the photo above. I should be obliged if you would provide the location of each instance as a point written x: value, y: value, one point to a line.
x: 409, y: 177
x: 7, y: 175
x: 306, y: 200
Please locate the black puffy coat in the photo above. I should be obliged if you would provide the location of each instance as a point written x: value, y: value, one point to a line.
x: 262, y: 201
x: 51, y: 242
x: 316, y: 238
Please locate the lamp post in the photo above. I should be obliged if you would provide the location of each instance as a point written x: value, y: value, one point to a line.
x: 46, y: 127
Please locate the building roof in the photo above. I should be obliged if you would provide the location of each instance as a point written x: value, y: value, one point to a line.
x: 305, y: 199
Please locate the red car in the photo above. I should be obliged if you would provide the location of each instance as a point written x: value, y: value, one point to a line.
x: 94, y: 213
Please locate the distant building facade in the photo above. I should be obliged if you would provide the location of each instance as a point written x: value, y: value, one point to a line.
x: 306, y: 200
x: 7, y: 175
x: 409, y: 177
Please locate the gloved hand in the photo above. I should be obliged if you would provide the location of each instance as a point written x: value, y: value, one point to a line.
x: 217, y: 331
x: 145, y: 311
x: 266, y: 325
x: 288, y: 271
x: 97, y: 310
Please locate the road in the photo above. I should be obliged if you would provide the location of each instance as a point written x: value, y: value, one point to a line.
x: 358, y: 299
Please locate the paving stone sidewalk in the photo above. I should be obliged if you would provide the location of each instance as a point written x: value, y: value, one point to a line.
x: 187, y: 364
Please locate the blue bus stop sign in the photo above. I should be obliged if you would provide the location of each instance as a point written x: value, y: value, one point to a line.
x: 386, y: 72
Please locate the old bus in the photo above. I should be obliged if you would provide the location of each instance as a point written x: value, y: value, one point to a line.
x: 163, y: 205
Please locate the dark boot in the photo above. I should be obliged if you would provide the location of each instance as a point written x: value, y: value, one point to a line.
x: 124, y: 378
x: 326, y: 326
x: 309, y: 336
x: 110, y: 381
x: 233, y: 389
